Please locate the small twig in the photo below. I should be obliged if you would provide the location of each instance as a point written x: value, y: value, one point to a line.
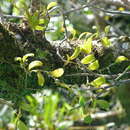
x: 2, y: 101
x: 13, y: 16
x: 122, y: 74
x: 111, y: 11
x: 58, y: 52
x: 114, y: 84
x: 53, y: 9
x: 102, y: 115
x: 125, y: 81
x: 89, y: 5
x: 96, y: 75
x: 92, y: 74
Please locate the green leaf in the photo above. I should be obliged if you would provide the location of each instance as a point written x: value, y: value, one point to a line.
x: 18, y: 59
x: 82, y: 101
x: 62, y: 84
x: 94, y: 65
x: 26, y: 56
x: 102, y: 104
x: 57, y: 72
x: 88, y: 59
x: 75, y: 54
x: 40, y: 28
x: 121, y: 58
x: 25, y: 106
x: 106, y: 42
x: 107, y: 29
x: 98, y: 81
x: 22, y: 126
x: 41, y: 79
x: 41, y: 21
x: 34, y: 64
x: 88, y: 119
x: 51, y: 5
x: 34, y: 20
x: 128, y: 68
x: 50, y: 109
x: 87, y: 46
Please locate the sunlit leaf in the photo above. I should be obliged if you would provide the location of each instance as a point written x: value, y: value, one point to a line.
x: 40, y: 28
x: 106, y: 42
x: 121, y: 58
x: 57, y: 72
x: 94, y: 65
x: 75, y: 54
x: 41, y: 79
x: 26, y: 56
x: 88, y: 119
x: 102, y: 104
x: 18, y: 59
x: 51, y: 5
x: 62, y: 84
x: 35, y: 70
x: 87, y: 46
x: 34, y: 64
x: 41, y: 21
x: 98, y: 81
x: 121, y: 9
x: 88, y: 59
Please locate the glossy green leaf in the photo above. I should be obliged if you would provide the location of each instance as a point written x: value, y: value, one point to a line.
x: 26, y: 56
x: 106, y: 42
x: 18, y: 59
x: 57, y: 72
x: 51, y: 5
x: 87, y: 46
x: 41, y: 21
x: 88, y: 59
x: 98, y: 81
x: 40, y: 28
x: 103, y: 104
x: 41, y: 79
x: 94, y: 65
x: 75, y: 54
x: 34, y: 64
x: 88, y: 119
x: 121, y: 58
